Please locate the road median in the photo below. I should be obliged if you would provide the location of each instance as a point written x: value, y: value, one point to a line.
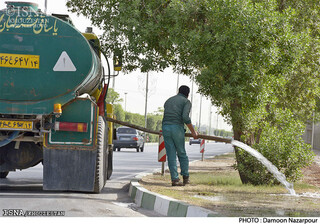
x: 216, y: 190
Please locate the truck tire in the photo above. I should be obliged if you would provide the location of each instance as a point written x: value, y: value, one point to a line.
x: 3, y: 174
x: 101, y: 156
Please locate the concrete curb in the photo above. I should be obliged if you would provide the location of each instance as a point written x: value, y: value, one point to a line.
x: 162, y: 204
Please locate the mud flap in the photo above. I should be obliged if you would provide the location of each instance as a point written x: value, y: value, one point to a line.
x: 69, y: 170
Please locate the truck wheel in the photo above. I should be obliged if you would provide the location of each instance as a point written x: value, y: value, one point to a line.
x: 137, y: 149
x: 101, y: 154
x: 118, y: 149
x: 3, y: 174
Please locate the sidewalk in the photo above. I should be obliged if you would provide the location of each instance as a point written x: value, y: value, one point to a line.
x: 248, y: 201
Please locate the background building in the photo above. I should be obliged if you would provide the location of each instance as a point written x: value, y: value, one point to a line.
x: 312, y: 136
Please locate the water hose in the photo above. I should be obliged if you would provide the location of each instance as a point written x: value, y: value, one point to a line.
x: 109, y: 74
x: 208, y: 137
x: 9, y: 139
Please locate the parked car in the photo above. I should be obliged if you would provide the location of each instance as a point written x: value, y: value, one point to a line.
x: 128, y: 138
x: 194, y: 141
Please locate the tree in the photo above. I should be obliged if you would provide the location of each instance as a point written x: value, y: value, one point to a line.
x: 154, y: 120
x: 119, y: 113
x: 254, y: 59
x: 113, y: 97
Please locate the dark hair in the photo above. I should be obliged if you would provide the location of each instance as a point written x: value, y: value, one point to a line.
x: 185, y: 90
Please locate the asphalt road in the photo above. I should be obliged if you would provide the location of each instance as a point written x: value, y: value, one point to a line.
x: 23, y: 189
x: 128, y: 163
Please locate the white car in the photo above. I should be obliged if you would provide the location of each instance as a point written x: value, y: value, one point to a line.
x: 194, y: 141
x: 128, y: 138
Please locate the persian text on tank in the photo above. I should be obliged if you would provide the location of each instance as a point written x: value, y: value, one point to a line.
x: 39, y: 24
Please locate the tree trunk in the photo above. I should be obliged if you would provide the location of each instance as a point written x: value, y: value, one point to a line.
x: 242, y: 175
x: 238, y: 132
x: 282, y: 5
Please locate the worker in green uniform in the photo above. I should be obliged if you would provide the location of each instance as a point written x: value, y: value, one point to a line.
x: 176, y: 114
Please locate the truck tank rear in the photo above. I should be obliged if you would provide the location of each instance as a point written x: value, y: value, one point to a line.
x: 45, y: 65
x: 43, y: 61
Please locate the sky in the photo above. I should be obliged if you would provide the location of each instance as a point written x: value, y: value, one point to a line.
x: 131, y: 87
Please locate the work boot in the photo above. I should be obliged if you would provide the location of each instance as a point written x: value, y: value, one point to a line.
x: 177, y: 182
x: 186, y: 180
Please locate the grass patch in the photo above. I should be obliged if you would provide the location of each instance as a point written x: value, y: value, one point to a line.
x: 216, y: 185
x: 303, y: 187
x: 218, y: 180
x: 225, y: 156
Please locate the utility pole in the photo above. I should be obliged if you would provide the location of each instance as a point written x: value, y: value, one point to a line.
x: 146, y: 105
x: 125, y: 102
x: 45, y: 6
x: 210, y: 114
x: 113, y: 80
x: 178, y: 83
x: 200, y: 113
x: 217, y: 124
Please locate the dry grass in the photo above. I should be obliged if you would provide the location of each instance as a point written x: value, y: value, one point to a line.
x: 216, y: 185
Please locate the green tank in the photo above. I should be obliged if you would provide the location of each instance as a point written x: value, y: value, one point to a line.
x: 43, y: 60
x: 52, y: 100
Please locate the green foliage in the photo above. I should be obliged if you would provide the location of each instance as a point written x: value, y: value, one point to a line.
x: 256, y: 59
x: 113, y: 97
x: 318, y: 105
x: 119, y: 113
x: 134, y: 118
x: 282, y: 145
x: 222, y: 133
x: 154, y: 121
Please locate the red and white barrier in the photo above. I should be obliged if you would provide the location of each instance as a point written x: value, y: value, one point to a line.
x: 162, y: 155
x: 202, y: 143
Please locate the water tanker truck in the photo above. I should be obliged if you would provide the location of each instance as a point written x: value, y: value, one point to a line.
x: 52, y: 100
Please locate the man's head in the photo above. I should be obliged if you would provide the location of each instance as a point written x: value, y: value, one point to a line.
x: 185, y: 90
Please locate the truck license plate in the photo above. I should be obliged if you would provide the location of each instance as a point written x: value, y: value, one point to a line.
x: 16, y: 125
x: 19, y: 61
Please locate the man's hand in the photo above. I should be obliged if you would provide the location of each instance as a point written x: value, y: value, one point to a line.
x: 193, y: 132
x: 195, y: 135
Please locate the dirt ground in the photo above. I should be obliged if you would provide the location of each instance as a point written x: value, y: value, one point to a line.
x: 312, y: 173
x: 231, y: 203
